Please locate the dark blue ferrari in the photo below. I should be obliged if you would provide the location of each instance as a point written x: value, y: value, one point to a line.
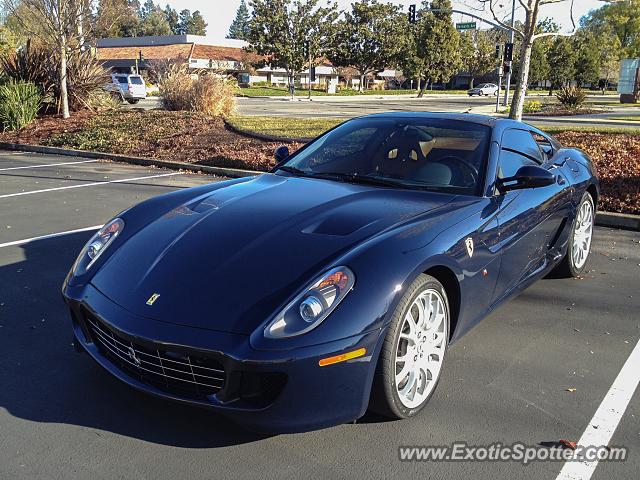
x: 300, y: 298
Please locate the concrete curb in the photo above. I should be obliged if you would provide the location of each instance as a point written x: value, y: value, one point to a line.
x: 145, y: 162
x: 624, y: 221
x: 604, y: 219
x: 267, y: 138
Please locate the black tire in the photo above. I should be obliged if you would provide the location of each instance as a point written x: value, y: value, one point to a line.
x: 567, y: 268
x: 133, y: 101
x: 384, y: 396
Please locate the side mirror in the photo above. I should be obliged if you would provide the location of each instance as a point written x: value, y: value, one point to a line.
x: 281, y: 153
x: 529, y: 176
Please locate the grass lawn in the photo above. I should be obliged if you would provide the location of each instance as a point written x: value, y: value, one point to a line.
x: 301, y: 92
x: 284, y: 126
x: 630, y: 118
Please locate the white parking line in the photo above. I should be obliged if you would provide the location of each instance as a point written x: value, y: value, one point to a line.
x: 92, y: 184
x: 46, y: 165
x: 51, y: 235
x: 606, y: 419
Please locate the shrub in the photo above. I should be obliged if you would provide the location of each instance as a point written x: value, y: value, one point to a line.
x: 102, y: 101
x: 19, y: 104
x: 208, y: 94
x: 571, y: 97
x: 532, y: 106
x: 39, y: 65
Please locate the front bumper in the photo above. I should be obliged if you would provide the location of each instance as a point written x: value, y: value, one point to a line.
x: 268, y: 391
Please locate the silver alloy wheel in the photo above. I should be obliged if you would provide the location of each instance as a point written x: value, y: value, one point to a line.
x: 582, y: 234
x: 421, y: 347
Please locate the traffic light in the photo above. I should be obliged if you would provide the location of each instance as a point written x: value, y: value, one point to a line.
x: 412, y: 13
x: 312, y: 76
x: 306, y: 49
x: 508, y: 52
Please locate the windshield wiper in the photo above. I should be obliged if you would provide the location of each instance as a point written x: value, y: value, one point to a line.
x: 294, y: 170
x: 362, y: 179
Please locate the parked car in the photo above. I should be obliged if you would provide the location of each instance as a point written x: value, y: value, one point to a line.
x: 484, y: 89
x: 128, y: 87
x: 300, y: 298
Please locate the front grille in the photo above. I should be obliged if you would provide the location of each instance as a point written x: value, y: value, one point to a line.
x: 189, y: 376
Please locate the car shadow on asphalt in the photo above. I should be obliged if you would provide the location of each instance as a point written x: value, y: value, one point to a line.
x: 44, y: 380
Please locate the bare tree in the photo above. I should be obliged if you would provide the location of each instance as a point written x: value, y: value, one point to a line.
x: 527, y: 34
x: 60, y: 23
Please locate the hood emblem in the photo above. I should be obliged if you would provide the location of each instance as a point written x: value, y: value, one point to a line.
x: 153, y: 298
x: 469, y: 243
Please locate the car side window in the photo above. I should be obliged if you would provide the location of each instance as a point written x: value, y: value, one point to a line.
x: 545, y: 145
x: 518, y: 149
x: 510, y: 162
x: 521, y: 141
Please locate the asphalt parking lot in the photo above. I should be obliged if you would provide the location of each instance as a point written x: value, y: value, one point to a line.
x: 62, y: 416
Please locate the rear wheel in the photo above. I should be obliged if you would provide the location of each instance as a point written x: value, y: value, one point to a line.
x: 133, y: 101
x: 575, y: 260
x: 413, y: 351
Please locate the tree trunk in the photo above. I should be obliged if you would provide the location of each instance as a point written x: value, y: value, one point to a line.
x: 423, y: 87
x: 520, y: 93
x: 361, y: 86
x: 64, y: 96
x: 517, y: 103
x: 471, y: 82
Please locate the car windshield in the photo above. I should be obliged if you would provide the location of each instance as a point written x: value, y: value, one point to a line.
x: 419, y: 153
x: 136, y: 80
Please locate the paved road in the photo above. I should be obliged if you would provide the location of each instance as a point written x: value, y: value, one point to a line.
x: 62, y: 416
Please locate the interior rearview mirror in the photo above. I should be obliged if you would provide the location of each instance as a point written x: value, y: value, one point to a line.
x: 281, y: 153
x: 529, y: 176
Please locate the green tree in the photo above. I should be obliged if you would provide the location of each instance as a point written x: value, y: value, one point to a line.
x: 369, y: 38
x: 478, y: 53
x: 117, y: 18
x: 172, y: 19
x: 610, y: 52
x: 434, y: 48
x: 288, y: 32
x: 239, y: 28
x: 587, y: 58
x: 623, y: 17
x: 527, y: 34
x: 154, y: 21
x: 191, y: 23
x: 539, y: 66
x: 198, y: 25
x: 561, y: 58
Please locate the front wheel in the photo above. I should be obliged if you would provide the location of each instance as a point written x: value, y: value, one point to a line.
x: 413, y: 351
x: 575, y: 259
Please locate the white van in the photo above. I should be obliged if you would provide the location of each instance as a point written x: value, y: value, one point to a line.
x: 130, y: 87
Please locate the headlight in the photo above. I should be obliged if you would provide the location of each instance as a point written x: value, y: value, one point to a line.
x: 97, y: 245
x: 310, y: 308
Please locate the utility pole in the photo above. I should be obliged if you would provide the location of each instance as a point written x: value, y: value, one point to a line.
x: 511, y: 40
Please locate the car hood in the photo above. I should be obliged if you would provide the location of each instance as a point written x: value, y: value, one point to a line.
x: 227, y: 259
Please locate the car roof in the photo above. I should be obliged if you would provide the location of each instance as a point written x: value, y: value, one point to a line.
x: 464, y: 117
x: 489, y: 121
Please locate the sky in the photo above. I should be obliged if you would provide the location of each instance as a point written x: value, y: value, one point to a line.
x: 220, y: 13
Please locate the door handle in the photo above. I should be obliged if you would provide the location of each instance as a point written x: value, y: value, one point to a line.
x: 560, y: 179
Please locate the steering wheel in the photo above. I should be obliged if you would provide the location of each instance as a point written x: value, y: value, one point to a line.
x: 468, y: 167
